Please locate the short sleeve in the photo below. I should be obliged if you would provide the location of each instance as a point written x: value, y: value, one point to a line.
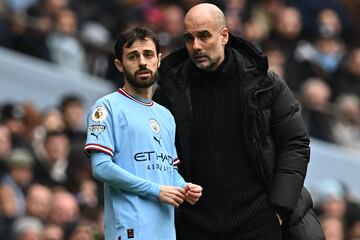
x: 100, y: 134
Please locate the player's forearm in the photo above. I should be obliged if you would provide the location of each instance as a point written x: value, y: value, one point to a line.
x: 105, y: 170
x: 178, y: 179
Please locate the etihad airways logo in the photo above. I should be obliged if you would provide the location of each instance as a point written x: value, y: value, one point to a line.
x: 155, y: 161
x: 152, y: 155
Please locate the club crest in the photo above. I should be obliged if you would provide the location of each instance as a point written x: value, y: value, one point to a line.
x: 99, y: 114
x: 154, y: 125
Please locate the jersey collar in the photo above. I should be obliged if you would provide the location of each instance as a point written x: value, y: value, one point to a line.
x: 138, y: 100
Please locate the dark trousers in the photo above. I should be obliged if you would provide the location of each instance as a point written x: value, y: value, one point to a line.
x: 264, y: 226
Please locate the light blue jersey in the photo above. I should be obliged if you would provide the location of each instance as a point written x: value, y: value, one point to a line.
x: 132, y: 147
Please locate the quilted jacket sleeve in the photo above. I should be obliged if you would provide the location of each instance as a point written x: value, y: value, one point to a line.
x: 292, y: 147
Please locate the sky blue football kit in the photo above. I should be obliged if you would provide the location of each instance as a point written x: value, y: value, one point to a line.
x: 132, y: 146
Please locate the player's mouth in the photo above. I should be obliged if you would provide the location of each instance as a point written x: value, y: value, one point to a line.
x: 143, y: 74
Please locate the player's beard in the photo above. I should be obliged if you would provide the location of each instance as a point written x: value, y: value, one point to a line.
x: 138, y: 82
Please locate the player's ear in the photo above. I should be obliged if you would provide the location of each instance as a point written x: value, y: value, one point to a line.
x: 118, y: 64
x: 159, y: 57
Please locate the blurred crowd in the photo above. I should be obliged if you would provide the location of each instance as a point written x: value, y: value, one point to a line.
x: 47, y: 190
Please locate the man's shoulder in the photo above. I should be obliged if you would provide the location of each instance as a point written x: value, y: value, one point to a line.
x: 173, y: 60
x: 107, y: 100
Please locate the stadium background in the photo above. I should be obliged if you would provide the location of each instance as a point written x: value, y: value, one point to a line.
x: 56, y: 59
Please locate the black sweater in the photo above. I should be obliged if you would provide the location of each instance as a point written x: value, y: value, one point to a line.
x: 232, y: 193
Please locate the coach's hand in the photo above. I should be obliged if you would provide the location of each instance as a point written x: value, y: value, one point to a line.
x: 172, y: 195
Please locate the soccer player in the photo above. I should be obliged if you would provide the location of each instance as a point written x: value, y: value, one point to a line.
x: 131, y: 142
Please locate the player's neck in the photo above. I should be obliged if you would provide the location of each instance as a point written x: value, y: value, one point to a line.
x: 144, y: 93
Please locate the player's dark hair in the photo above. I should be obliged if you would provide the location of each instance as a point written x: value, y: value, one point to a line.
x: 129, y: 36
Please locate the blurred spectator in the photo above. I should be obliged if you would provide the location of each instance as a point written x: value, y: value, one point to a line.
x: 51, y: 120
x: 5, y: 147
x: 323, y: 55
x: 78, y: 170
x: 333, y: 227
x: 277, y: 59
x: 328, y: 23
x: 65, y: 210
x: 19, y: 6
x: 288, y: 27
x: 27, y: 228
x: 6, y: 33
x: 330, y: 198
x: 173, y: 21
x: 96, y: 39
x: 49, y: 7
x: 352, y: 7
x: 287, y: 34
x: 253, y: 32
x: 65, y: 48
x: 7, y: 202
x: 234, y: 12
x: 78, y: 166
x: 259, y: 18
x: 82, y: 230
x: 19, y: 176
x: 347, y: 80
x: 50, y: 170
x: 87, y: 194
x: 52, y: 232
x: 171, y: 35
x: 314, y: 97
x: 13, y: 115
x: 32, y: 27
x: 73, y: 112
x: 100, y: 224
x: 346, y: 128
x: 31, y: 120
x: 333, y: 200
x: 310, y: 9
x: 8, y: 210
x: 12, y: 187
x: 353, y: 232
x: 38, y: 202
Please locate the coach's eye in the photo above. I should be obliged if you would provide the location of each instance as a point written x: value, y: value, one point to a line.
x: 189, y: 38
x: 204, y: 36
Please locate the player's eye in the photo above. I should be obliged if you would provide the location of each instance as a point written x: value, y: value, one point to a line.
x: 149, y: 54
x: 133, y: 56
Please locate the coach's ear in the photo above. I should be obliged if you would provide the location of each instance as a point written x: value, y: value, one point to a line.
x: 118, y: 65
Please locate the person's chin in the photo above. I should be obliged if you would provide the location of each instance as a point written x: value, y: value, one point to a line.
x: 202, y: 65
x: 143, y: 79
x: 145, y: 83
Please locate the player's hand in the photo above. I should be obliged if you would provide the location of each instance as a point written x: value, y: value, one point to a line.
x: 193, y: 193
x: 172, y: 195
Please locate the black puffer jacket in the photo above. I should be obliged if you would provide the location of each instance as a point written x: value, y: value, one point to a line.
x: 276, y: 138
